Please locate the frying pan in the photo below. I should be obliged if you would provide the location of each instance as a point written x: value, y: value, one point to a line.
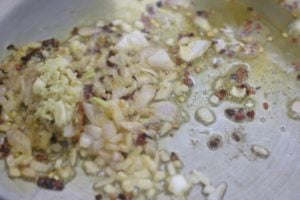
x: 247, y: 177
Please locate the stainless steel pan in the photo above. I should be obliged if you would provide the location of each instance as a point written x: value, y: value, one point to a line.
x: 248, y: 178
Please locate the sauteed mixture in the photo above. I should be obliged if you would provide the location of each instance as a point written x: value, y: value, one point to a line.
x: 105, y: 97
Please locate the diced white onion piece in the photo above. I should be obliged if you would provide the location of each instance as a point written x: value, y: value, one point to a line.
x: 208, y: 189
x: 89, y: 112
x: 60, y: 114
x: 161, y: 60
x: 109, y: 129
x: 102, y: 182
x: 220, y: 45
x: 39, y: 166
x: 218, y: 193
x: 165, y: 110
x: 14, y: 172
x: 193, y: 50
x: 295, y: 107
x: 202, y: 23
x: 166, y: 127
x: 178, y: 185
x: 160, y: 175
x: 28, y: 172
x: 38, y: 86
x: 171, y: 169
x: 85, y: 140
x: 69, y: 131
x: 196, y: 177
x: 19, y: 142
x: 109, y: 189
x: 238, y: 92
x: 132, y: 41
x: 294, y: 27
x: 91, y: 167
x: 165, y: 90
x: 132, y: 127
x: 93, y: 131
x: 88, y: 31
x: 144, y: 96
x: 117, y: 113
x: 142, y: 174
x: 205, y: 116
x: 214, y: 100
x: 144, y: 184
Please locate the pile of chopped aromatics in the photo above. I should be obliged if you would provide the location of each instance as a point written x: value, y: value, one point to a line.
x: 101, y: 100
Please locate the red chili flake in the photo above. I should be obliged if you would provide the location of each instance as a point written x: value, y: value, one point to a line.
x: 221, y: 94
x: 150, y: 9
x: 190, y: 34
x: 11, y: 47
x: 88, y: 91
x: 4, y: 149
x: 250, y: 9
x: 108, y: 28
x: 173, y: 156
x: 188, y: 81
x: 41, y: 157
x: 98, y: 197
x: 112, y: 197
x: 126, y: 196
x: 239, y: 115
x: 110, y: 54
x: 19, y: 67
x: 240, y: 75
x: 75, y: 31
x: 294, y: 40
x: 178, y: 61
x: 78, y: 73
x: 266, y: 105
x: 141, y: 139
x: 33, y: 53
x: 50, y: 43
x: 251, y: 114
x: 95, y: 49
x: 202, y: 13
x: 159, y: 4
x: 230, y: 112
x: 222, y: 51
x: 296, y: 65
x: 247, y: 27
x: 258, y: 26
x: 249, y: 90
x: 146, y: 21
x: 50, y: 183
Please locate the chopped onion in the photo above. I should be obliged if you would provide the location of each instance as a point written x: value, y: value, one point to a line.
x: 202, y: 23
x: 85, y: 140
x: 19, y: 142
x: 132, y: 127
x: 178, y: 185
x: 160, y: 60
x: 89, y: 112
x: 165, y: 110
x: 132, y: 41
x: 93, y: 131
x: 195, y: 49
x: 109, y: 129
x: 88, y: 31
x: 144, y: 96
x: 69, y: 131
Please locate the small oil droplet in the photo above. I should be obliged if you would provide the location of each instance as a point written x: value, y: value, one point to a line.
x: 262, y: 119
x: 282, y: 129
